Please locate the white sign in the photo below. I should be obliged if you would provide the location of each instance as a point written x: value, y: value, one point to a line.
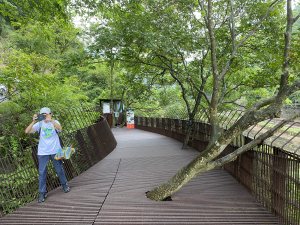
x: 106, y: 108
x: 130, y: 116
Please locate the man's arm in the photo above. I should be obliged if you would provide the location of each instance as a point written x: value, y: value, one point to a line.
x: 56, y: 125
x: 30, y: 129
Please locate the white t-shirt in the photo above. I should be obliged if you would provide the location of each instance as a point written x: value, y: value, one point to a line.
x: 49, y: 140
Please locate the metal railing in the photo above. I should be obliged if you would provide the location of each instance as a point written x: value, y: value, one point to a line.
x: 269, y: 173
x: 287, y: 138
x: 84, y: 128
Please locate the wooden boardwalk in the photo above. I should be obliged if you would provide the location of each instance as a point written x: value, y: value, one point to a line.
x: 113, y: 191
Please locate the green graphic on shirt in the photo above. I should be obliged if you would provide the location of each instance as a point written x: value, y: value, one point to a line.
x: 48, y: 132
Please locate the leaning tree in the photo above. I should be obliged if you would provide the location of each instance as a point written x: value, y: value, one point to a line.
x: 257, y: 112
x: 213, y: 50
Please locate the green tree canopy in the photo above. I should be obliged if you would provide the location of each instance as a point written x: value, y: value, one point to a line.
x: 217, y: 52
x: 31, y: 82
x: 22, y: 11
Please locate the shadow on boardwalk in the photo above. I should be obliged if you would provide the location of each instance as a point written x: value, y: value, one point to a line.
x: 113, y: 191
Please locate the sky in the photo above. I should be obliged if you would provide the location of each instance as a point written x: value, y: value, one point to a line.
x: 85, y: 21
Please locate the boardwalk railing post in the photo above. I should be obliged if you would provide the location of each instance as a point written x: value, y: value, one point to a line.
x: 163, y: 126
x: 176, y: 121
x: 278, y: 186
x: 157, y: 124
x: 183, y: 123
x: 84, y: 149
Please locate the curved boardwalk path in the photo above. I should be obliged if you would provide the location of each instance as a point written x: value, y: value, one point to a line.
x: 113, y: 191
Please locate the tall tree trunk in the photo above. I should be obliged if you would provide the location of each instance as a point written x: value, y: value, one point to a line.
x: 188, y: 133
x: 111, y: 94
x: 192, y: 116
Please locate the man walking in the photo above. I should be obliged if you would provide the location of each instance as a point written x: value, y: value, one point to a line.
x: 48, y: 147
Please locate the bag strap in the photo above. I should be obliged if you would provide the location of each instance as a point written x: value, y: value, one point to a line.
x: 40, y: 125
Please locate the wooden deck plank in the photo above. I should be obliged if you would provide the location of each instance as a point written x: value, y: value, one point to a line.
x: 113, y: 191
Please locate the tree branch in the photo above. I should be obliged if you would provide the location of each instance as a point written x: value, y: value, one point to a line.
x: 232, y: 25
x: 183, y: 91
x: 293, y: 88
x: 228, y: 64
x: 198, y: 89
x: 99, y: 62
x: 271, y: 7
x: 296, y: 18
x: 183, y: 62
x: 232, y: 89
x: 216, y: 81
x: 232, y: 156
x: 193, y: 83
x: 262, y: 103
x: 145, y: 63
x: 205, y: 19
x: 233, y: 102
x: 287, y: 46
x: 223, y: 92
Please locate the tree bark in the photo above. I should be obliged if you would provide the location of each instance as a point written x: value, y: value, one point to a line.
x: 111, y: 94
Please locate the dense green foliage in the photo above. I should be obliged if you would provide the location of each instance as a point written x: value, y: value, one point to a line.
x: 159, y: 50
x: 163, y: 36
x: 163, y: 52
x: 184, y: 55
x: 164, y: 45
x: 21, y: 12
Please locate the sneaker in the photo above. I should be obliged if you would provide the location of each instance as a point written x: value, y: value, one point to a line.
x: 41, y: 197
x: 65, y: 188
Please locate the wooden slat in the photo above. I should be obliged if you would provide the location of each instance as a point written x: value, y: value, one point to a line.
x: 113, y: 191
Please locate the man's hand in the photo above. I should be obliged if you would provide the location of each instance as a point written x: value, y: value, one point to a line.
x: 34, y: 118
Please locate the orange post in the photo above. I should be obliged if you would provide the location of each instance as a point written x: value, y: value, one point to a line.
x: 130, y: 126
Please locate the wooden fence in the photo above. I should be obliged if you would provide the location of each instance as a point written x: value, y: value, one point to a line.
x: 269, y: 173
